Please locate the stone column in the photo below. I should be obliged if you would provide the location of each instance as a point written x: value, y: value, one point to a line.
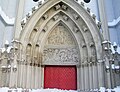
x: 86, y: 77
x: 103, y: 19
x: 24, y: 75
x: 100, y: 69
x: 78, y: 77
x: 90, y: 76
x: 82, y: 78
x: 36, y: 77
x: 42, y: 76
x: 28, y: 75
x: 95, y: 76
x: 39, y: 76
x: 32, y: 75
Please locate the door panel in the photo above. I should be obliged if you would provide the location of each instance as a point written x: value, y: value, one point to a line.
x: 61, y: 77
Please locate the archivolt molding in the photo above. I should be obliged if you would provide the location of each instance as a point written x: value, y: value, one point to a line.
x: 44, y: 9
x: 88, y: 29
x: 45, y: 36
x: 79, y: 37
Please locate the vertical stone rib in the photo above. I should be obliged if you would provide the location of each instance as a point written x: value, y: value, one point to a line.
x: 103, y: 19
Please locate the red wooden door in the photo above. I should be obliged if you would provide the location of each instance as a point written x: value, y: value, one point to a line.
x: 61, y: 77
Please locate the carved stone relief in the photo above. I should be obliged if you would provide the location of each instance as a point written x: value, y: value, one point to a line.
x: 60, y: 36
x: 60, y: 48
x: 61, y: 55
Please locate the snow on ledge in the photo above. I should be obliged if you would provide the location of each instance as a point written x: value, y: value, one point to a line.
x: 114, y: 22
x: 5, y: 89
x: 117, y: 49
x: 7, y: 20
x: 102, y: 89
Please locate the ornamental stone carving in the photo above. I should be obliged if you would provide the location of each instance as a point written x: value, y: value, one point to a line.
x: 64, y: 7
x: 60, y: 36
x: 59, y: 55
x: 55, y: 17
x: 76, y: 16
x: 57, y: 7
x: 45, y: 16
x: 60, y: 48
x: 65, y: 17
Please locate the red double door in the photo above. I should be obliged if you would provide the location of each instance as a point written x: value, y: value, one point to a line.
x: 61, y: 77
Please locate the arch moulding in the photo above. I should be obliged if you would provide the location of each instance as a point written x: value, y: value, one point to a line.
x: 73, y: 23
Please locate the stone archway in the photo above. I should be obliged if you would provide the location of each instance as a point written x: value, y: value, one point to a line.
x: 61, y: 53
x: 78, y: 42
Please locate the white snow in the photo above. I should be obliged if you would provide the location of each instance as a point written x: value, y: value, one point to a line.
x: 9, y: 21
x: 102, y: 89
x: 118, y: 48
x: 5, y: 89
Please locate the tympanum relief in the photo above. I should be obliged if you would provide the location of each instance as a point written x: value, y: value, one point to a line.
x: 60, y: 36
x: 60, y: 48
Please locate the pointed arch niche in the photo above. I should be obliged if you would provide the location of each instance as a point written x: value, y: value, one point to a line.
x: 65, y: 35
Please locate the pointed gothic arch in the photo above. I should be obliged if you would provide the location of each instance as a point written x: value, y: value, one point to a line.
x: 87, y: 20
x: 83, y: 30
